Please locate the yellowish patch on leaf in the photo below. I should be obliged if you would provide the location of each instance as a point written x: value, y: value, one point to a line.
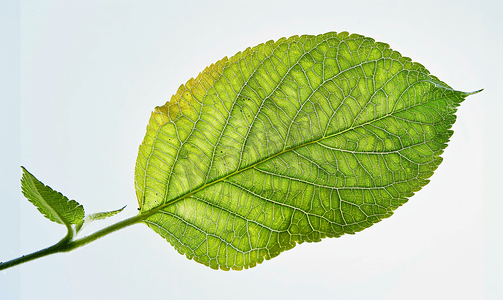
x: 190, y: 96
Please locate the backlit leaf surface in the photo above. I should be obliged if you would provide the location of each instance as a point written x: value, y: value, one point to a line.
x: 288, y: 142
x: 52, y: 204
x: 98, y: 216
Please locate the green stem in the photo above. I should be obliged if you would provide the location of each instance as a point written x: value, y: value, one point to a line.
x: 41, y: 253
x: 107, y: 230
x: 67, y: 244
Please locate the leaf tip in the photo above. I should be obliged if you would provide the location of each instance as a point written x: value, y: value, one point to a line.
x: 25, y: 171
x: 475, y: 92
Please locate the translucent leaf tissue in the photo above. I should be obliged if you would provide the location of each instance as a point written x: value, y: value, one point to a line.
x: 287, y: 142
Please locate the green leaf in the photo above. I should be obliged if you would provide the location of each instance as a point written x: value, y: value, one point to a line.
x: 52, y: 204
x: 98, y: 216
x: 290, y: 142
x: 103, y: 215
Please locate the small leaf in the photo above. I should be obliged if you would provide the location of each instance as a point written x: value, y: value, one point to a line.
x: 288, y: 142
x: 98, y: 216
x: 52, y: 204
x: 104, y: 215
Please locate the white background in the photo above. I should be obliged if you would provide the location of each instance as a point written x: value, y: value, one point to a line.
x: 80, y: 78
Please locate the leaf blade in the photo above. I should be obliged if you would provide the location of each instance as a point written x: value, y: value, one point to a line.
x: 97, y: 216
x: 50, y: 203
x: 105, y: 214
x: 288, y: 142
